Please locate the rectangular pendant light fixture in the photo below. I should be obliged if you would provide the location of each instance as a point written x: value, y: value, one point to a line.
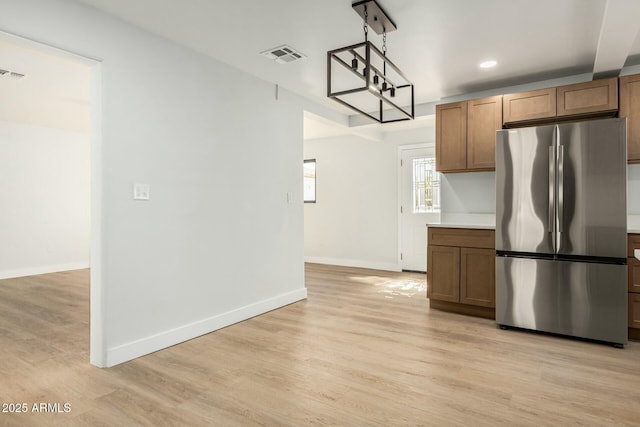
x: 362, y: 78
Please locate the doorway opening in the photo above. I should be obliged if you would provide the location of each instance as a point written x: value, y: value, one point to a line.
x: 50, y: 173
x: 419, y: 197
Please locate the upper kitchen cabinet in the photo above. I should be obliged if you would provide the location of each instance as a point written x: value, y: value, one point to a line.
x: 529, y: 106
x: 595, y: 97
x: 466, y: 134
x: 590, y: 99
x: 630, y: 108
x: 451, y: 137
x: 484, y: 119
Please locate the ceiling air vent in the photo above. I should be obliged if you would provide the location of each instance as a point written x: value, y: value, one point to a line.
x: 283, y: 54
x: 11, y: 74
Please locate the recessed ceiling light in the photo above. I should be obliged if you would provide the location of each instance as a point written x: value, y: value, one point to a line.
x: 488, y: 64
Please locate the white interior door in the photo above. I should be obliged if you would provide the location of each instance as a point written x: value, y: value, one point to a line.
x: 419, y: 204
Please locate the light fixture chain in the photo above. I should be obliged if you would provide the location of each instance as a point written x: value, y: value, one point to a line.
x: 384, y: 41
x: 366, y: 23
x: 384, y: 52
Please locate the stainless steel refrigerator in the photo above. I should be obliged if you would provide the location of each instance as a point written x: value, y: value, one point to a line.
x: 561, y: 229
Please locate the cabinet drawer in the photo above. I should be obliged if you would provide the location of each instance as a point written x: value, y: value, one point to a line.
x: 533, y: 105
x: 461, y: 237
x: 634, y: 275
x: 633, y: 243
x: 591, y: 97
x: 634, y: 310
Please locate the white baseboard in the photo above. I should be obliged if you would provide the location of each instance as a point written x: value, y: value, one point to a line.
x: 387, y: 266
x: 153, y: 343
x: 45, y: 269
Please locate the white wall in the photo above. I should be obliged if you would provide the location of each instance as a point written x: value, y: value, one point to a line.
x: 45, y: 197
x: 468, y: 193
x: 218, y: 242
x: 355, y: 219
x: 361, y: 229
x: 475, y: 192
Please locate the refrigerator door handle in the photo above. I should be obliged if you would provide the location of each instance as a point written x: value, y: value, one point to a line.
x: 552, y: 180
x: 560, y: 186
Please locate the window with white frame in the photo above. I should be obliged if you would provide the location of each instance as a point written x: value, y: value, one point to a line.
x: 426, y: 186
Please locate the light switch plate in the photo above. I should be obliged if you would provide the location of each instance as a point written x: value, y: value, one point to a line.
x: 141, y: 191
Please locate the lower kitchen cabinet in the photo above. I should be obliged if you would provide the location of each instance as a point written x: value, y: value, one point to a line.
x: 461, y: 270
x: 634, y: 287
x: 477, y: 277
x: 634, y: 275
x: 444, y: 264
x: 634, y: 310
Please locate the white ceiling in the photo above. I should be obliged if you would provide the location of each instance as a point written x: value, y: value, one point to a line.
x: 54, y: 91
x: 439, y: 43
x: 416, y: 131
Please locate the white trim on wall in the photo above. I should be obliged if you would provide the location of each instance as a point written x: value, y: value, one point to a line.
x: 168, y: 338
x: 44, y: 269
x: 97, y: 324
x: 353, y: 263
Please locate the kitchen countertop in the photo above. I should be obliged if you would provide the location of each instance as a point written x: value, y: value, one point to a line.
x: 488, y: 221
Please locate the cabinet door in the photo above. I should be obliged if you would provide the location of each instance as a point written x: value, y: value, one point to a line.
x: 477, y: 277
x: 591, y: 97
x: 634, y: 275
x: 484, y: 119
x: 630, y: 108
x: 633, y: 243
x: 534, y: 105
x: 451, y: 136
x: 443, y: 273
x: 634, y: 310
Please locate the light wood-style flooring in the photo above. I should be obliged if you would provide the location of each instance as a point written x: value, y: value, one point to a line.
x: 363, y: 350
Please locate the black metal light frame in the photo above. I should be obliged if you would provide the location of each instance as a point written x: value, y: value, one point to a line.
x: 332, y: 57
x: 373, y: 15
